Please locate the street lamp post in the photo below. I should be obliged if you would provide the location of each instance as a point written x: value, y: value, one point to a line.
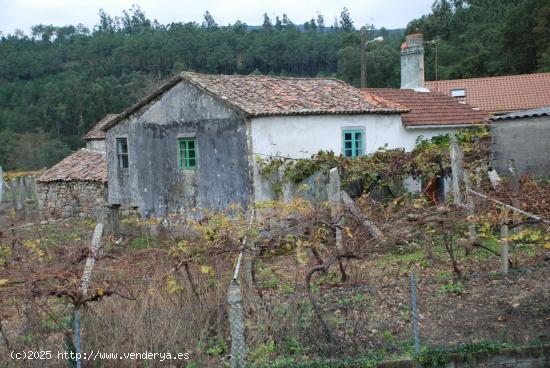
x: 364, y: 44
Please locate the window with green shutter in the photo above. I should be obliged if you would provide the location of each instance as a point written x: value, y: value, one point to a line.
x: 187, y: 153
x: 353, y: 142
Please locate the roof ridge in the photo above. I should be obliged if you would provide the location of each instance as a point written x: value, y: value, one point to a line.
x: 259, y: 76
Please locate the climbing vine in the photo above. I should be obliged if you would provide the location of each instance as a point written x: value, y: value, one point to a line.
x: 429, y: 159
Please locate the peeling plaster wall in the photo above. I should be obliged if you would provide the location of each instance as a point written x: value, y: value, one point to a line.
x: 153, y: 182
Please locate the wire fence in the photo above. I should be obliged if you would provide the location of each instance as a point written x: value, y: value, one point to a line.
x: 332, y: 321
x: 257, y: 320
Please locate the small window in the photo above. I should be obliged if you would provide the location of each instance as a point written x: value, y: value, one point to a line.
x: 187, y: 153
x: 458, y: 93
x: 122, y: 152
x: 353, y: 143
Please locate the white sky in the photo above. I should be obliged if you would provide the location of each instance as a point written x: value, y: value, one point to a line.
x: 23, y: 14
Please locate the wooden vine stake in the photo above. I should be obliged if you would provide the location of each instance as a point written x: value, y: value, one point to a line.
x: 1, y: 185
x: 86, y: 277
x: 504, y: 244
x: 472, y: 237
x: 456, y: 168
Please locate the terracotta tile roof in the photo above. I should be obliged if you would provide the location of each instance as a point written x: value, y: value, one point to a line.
x: 265, y: 96
x: 429, y: 108
x: 96, y: 132
x: 500, y: 94
x: 83, y: 165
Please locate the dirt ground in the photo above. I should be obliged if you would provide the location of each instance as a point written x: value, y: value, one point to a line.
x: 483, y: 305
x: 371, y: 311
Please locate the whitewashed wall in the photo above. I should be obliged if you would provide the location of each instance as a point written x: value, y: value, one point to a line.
x: 303, y: 136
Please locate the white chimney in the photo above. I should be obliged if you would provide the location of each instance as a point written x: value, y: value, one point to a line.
x: 412, y: 62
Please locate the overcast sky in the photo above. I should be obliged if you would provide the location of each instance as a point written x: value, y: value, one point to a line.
x: 23, y: 14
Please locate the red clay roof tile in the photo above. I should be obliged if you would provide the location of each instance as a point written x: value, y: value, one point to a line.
x: 266, y: 95
x: 429, y: 108
x: 83, y: 165
x: 500, y: 94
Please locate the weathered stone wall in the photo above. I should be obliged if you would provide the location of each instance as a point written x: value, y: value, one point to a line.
x: 71, y: 199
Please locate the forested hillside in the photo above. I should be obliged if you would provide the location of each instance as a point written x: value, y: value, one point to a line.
x: 58, y: 81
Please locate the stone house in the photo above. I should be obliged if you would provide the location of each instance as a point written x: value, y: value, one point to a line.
x: 77, y: 185
x: 74, y: 187
x: 195, y: 142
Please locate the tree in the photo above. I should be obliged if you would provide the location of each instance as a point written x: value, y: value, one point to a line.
x: 346, y: 23
x: 310, y: 25
x: 278, y: 24
x: 134, y: 20
x: 106, y: 23
x: 64, y: 79
x: 45, y: 32
x: 320, y: 21
x: 287, y: 23
x: 349, y: 65
x: 209, y: 21
x: 267, y: 23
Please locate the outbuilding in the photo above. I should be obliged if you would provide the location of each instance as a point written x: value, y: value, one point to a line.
x: 521, y: 143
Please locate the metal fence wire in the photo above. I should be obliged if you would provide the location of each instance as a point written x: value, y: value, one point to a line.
x: 237, y: 326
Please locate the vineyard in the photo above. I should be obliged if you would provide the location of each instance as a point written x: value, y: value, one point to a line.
x: 320, y: 282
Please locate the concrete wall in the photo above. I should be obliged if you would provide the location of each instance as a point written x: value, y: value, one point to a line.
x: 96, y: 144
x: 71, y: 199
x: 522, y: 357
x: 303, y: 136
x: 526, y: 141
x: 153, y: 182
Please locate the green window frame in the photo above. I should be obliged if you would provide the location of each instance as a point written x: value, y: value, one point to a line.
x: 353, y: 142
x: 188, y: 153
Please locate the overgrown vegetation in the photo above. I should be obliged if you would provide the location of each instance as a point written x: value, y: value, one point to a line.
x: 386, y: 168
x: 310, y: 301
x: 439, y: 357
